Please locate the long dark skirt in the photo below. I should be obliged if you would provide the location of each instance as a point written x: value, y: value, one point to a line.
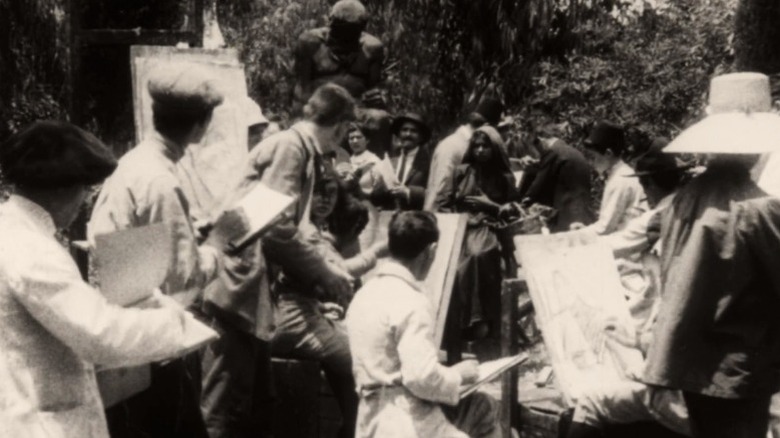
x: 477, y: 290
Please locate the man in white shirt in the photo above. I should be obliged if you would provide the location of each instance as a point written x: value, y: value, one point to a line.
x: 627, y: 401
x: 404, y: 391
x: 623, y: 198
x: 449, y: 153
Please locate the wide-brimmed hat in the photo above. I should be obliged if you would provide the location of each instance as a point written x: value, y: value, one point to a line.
x: 425, y: 131
x: 654, y: 161
x: 606, y: 136
x: 738, y: 119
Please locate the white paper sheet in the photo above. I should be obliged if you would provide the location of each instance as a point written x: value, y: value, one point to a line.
x: 132, y: 263
x: 491, y: 369
x: 260, y: 208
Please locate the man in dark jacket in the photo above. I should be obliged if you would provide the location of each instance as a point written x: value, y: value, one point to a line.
x: 561, y: 180
x: 410, y: 160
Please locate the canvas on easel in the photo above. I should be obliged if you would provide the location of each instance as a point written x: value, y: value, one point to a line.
x: 211, y: 168
x: 574, y: 285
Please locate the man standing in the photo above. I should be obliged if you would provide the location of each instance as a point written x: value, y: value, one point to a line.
x: 404, y: 391
x: 717, y: 337
x: 145, y: 190
x: 449, y: 153
x: 236, y: 367
x: 561, y: 180
x: 410, y: 160
x: 623, y: 198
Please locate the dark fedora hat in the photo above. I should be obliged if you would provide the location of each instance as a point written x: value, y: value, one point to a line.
x: 425, y: 131
x: 489, y: 110
x: 654, y: 162
x: 606, y: 136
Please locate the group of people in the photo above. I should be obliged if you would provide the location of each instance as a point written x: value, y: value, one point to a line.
x: 696, y: 256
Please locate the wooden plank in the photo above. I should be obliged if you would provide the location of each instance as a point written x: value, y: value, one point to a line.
x: 510, y: 290
x: 211, y: 169
x: 127, y: 37
x: 297, y: 384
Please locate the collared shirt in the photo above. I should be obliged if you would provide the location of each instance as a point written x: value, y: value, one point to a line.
x: 390, y: 327
x: 55, y: 327
x: 633, y: 238
x: 404, y: 162
x: 623, y: 200
x: 446, y: 157
x: 143, y: 190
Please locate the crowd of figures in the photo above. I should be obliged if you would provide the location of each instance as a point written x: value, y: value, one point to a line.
x: 696, y: 251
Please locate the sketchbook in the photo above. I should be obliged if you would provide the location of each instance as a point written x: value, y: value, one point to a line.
x: 492, y: 369
x: 258, y: 210
x: 132, y: 263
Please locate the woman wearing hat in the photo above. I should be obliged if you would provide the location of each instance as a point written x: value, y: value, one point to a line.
x: 481, y: 185
x: 55, y: 326
x: 718, y: 338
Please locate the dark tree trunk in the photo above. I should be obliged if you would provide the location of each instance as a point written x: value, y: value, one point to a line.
x: 757, y: 39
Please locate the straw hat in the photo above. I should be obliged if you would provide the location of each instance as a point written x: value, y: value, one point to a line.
x: 738, y: 119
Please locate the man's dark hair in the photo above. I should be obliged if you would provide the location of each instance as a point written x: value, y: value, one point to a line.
x: 175, y: 125
x: 411, y: 232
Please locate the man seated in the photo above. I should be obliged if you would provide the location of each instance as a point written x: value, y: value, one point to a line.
x: 628, y: 401
x: 404, y: 391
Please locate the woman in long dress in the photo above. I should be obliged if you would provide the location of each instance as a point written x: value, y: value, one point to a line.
x: 483, y: 183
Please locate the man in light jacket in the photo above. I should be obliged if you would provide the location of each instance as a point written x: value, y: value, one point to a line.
x: 404, y: 391
x: 55, y: 326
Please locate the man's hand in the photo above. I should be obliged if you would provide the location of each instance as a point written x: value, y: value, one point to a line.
x: 337, y: 283
x: 380, y: 249
x: 469, y: 371
x: 481, y: 203
x: 228, y: 226
x: 331, y: 311
x: 400, y: 192
x: 508, y: 211
x: 527, y: 161
x: 622, y: 331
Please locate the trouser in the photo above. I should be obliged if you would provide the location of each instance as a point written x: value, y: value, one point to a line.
x: 237, y: 398
x: 714, y: 417
x: 627, y: 401
x: 393, y: 411
x: 167, y: 409
x: 304, y: 333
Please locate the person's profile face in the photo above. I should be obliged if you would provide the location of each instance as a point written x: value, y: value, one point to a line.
x: 357, y: 141
x: 600, y: 161
x: 409, y: 135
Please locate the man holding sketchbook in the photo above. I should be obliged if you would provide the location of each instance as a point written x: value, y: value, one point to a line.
x: 145, y: 190
x: 404, y: 391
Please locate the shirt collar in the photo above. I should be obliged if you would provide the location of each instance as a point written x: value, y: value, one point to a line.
x: 306, y: 129
x: 36, y: 215
x: 392, y: 268
x: 167, y: 147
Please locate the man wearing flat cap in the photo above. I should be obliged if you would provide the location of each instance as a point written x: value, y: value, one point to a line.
x: 144, y: 190
x: 56, y: 327
x: 410, y: 162
x: 604, y: 406
x: 623, y: 198
x: 717, y: 338
x: 449, y: 153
